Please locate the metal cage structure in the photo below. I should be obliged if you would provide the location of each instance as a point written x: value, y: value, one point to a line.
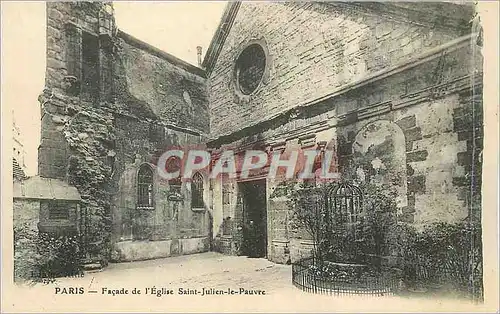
x: 343, y: 206
x: 343, y: 270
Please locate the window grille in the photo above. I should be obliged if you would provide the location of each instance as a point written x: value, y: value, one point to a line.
x: 90, y: 67
x: 145, y: 187
x: 58, y: 210
x: 250, y: 68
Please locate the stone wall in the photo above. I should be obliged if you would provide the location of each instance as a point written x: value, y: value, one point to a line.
x: 172, y: 93
x: 315, y: 49
x: 382, y: 89
x: 134, y: 230
x: 430, y: 153
x: 96, y: 135
x: 25, y: 222
x: 422, y: 125
x: 26, y: 212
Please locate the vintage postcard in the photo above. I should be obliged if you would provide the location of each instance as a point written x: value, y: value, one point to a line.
x: 249, y: 156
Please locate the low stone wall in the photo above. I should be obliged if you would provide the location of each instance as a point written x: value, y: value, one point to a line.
x: 126, y: 251
x: 224, y: 245
x: 26, y: 217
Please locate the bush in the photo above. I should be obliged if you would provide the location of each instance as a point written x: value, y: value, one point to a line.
x: 42, y: 257
x: 343, y: 273
x: 25, y: 253
x: 334, y: 241
x: 445, y: 254
x: 442, y: 254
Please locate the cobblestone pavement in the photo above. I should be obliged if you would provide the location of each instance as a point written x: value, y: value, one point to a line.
x: 194, y: 272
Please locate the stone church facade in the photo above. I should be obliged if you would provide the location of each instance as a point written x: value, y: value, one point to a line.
x: 394, y: 88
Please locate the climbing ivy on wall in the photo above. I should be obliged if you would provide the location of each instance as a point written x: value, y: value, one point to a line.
x: 90, y: 137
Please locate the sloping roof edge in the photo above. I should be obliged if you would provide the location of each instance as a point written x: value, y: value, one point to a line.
x: 161, y: 54
x: 45, y: 188
x: 17, y: 171
x: 220, y: 36
x: 386, y: 8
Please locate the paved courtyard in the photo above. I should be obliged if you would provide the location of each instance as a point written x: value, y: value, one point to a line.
x: 211, y: 271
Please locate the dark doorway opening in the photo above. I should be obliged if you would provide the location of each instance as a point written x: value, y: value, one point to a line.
x: 254, y: 218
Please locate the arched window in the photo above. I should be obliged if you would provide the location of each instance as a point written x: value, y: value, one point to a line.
x: 145, y: 187
x: 197, y: 191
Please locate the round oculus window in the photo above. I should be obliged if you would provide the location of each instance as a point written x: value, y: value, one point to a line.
x: 250, y: 67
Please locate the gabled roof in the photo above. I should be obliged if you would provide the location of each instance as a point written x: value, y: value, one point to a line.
x: 45, y: 188
x: 431, y: 14
x: 160, y: 53
x: 220, y: 36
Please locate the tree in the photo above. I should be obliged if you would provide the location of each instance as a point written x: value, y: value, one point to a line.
x: 336, y: 239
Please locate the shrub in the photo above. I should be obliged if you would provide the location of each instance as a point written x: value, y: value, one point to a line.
x: 373, y: 234
x: 42, y: 257
x: 379, y: 220
x: 442, y: 254
x: 445, y: 254
x: 25, y: 252
x: 59, y: 254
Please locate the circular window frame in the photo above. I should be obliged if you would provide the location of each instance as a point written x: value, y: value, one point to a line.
x: 240, y: 95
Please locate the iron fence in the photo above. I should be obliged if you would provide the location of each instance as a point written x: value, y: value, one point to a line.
x: 384, y: 282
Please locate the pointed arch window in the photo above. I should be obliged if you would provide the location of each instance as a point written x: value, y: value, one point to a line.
x: 197, y: 191
x: 145, y: 187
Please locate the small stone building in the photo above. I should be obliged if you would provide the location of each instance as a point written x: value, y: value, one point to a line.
x: 46, y: 205
x: 394, y: 88
x: 41, y: 205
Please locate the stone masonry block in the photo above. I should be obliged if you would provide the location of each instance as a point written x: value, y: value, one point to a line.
x: 416, y: 184
x: 407, y: 122
x: 419, y: 155
x: 55, y: 14
x: 464, y: 158
x: 409, y: 146
x: 413, y: 134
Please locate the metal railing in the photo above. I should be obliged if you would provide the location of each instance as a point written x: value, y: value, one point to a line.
x: 358, y: 279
